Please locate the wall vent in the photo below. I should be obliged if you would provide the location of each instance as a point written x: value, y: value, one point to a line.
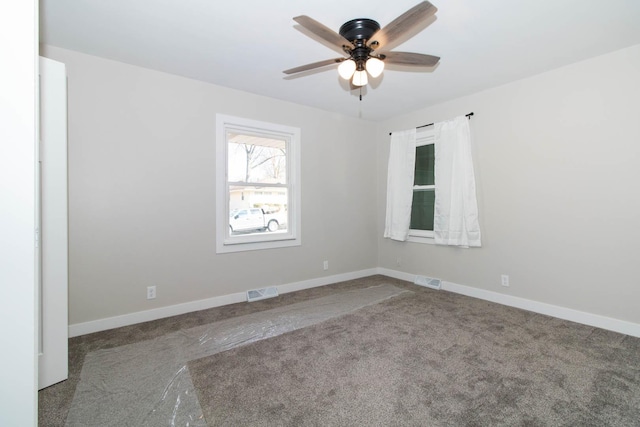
x: 264, y: 293
x: 428, y: 282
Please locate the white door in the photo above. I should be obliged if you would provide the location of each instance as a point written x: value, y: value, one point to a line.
x: 52, y: 265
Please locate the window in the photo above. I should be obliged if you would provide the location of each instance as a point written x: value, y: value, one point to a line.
x: 258, y: 190
x: 437, y: 204
x: 423, y: 204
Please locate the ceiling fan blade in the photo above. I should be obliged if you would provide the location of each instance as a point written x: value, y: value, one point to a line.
x: 314, y: 65
x: 409, y: 58
x: 402, y: 24
x: 323, y: 31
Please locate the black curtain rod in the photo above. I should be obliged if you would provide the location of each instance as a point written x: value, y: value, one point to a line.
x: 431, y: 124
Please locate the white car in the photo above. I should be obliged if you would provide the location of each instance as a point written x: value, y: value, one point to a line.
x: 253, y: 219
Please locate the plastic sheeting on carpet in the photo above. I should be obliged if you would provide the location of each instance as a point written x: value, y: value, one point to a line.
x: 148, y: 383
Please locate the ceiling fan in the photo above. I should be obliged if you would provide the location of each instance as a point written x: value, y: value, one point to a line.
x: 363, y: 41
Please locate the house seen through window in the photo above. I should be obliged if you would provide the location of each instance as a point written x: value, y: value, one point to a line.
x: 256, y: 163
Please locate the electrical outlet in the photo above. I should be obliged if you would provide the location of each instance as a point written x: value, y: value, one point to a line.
x: 325, y: 265
x: 505, y: 280
x: 151, y: 292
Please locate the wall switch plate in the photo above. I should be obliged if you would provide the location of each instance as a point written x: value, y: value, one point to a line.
x: 505, y: 280
x: 151, y: 292
x: 325, y: 265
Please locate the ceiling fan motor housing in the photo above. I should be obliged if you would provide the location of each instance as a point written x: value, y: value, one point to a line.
x: 359, y: 31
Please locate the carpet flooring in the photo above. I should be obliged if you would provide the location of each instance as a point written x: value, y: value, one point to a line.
x: 55, y: 401
x: 147, y: 384
x: 431, y: 358
x: 423, y: 358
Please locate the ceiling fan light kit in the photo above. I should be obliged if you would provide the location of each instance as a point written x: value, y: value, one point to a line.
x: 363, y: 41
x: 360, y: 78
x: 347, y: 68
x: 374, y: 67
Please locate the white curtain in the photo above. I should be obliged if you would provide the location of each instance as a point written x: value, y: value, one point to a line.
x: 456, y: 209
x: 402, y: 158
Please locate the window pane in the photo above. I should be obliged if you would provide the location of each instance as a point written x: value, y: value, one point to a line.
x: 256, y: 159
x: 254, y: 211
x: 422, y: 210
x: 425, y: 159
x: 257, y: 181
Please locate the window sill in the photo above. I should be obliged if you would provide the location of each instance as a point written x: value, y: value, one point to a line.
x: 420, y: 239
x: 254, y: 246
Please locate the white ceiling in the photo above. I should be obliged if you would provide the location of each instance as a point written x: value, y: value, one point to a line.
x: 246, y: 44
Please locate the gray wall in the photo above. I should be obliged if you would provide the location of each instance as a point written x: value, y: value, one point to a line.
x: 557, y: 162
x: 142, y: 181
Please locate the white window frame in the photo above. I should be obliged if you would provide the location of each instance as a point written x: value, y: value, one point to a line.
x: 424, y: 137
x: 291, y: 135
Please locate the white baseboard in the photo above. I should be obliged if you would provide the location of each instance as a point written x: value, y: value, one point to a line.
x: 396, y: 274
x: 608, y: 323
x: 84, y: 328
x: 603, y: 322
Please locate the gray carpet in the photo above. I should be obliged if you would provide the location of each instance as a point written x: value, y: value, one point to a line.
x: 55, y: 401
x: 429, y: 359
x: 147, y: 383
x: 433, y: 359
